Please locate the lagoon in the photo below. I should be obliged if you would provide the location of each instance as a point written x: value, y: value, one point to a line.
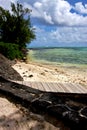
x: 64, y: 55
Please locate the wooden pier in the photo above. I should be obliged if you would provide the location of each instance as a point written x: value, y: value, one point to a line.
x: 56, y: 86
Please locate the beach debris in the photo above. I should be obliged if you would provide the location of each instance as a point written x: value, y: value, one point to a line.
x: 43, y: 73
x: 30, y: 76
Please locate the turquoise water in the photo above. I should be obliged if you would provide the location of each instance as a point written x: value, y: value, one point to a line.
x: 75, y: 55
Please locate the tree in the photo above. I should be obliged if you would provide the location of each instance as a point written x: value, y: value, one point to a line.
x: 15, y: 26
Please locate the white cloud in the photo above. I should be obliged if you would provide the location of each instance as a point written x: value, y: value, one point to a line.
x: 58, y: 12
x: 55, y: 12
x: 42, y: 11
x: 70, y: 34
x: 7, y: 3
x: 81, y: 8
x: 52, y: 11
x: 62, y: 36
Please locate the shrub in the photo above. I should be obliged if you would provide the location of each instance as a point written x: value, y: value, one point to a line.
x: 10, y: 50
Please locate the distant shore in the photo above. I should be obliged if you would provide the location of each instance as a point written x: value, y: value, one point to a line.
x: 39, y: 72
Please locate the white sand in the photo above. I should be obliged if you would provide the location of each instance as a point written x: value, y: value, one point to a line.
x: 48, y: 73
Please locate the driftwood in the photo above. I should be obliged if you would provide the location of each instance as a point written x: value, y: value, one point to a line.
x: 70, y: 108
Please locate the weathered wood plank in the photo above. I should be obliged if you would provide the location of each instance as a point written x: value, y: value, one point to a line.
x: 66, y: 88
x: 43, y: 88
x: 76, y: 88
x: 40, y: 86
x: 46, y: 87
x: 82, y: 88
x: 50, y: 87
x: 71, y: 88
x: 61, y: 87
x: 56, y: 87
x: 34, y: 85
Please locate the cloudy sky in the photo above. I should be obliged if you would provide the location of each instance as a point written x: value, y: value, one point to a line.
x: 57, y: 22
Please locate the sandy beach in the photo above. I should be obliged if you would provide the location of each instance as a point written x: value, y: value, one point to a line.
x: 49, y: 73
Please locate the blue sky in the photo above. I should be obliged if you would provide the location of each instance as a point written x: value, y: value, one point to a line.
x: 57, y: 22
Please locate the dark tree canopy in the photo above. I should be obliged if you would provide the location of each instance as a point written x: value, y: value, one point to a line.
x: 15, y: 26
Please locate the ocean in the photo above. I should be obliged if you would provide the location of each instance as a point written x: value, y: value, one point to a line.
x: 61, y: 55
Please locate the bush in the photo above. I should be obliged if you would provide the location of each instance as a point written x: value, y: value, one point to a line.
x: 10, y: 50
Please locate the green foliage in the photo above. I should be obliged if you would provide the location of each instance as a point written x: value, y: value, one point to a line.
x: 10, y: 50
x: 15, y: 26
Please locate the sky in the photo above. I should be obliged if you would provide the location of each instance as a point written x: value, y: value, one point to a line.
x: 57, y: 23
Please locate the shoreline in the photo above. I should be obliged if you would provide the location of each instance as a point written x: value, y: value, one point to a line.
x: 33, y: 71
